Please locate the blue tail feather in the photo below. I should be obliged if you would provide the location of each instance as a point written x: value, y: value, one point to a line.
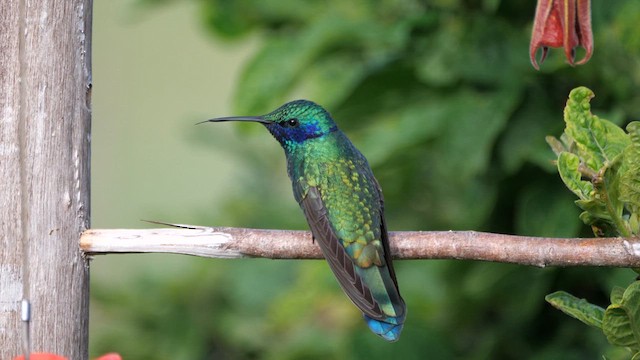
x: 388, y: 330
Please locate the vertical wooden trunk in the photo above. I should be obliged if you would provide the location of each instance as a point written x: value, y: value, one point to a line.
x: 45, y: 92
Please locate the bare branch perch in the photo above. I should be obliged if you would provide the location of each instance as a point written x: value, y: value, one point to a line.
x: 287, y: 244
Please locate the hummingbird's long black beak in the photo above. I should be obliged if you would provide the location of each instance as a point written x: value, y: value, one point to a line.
x: 259, y: 119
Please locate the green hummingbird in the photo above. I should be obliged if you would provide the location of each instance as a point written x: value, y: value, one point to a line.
x: 343, y: 204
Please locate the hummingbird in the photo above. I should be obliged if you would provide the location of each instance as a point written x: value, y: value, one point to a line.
x: 344, y: 207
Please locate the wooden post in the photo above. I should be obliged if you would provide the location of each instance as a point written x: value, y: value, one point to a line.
x: 45, y: 82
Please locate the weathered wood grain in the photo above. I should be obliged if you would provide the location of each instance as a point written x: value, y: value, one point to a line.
x: 45, y: 62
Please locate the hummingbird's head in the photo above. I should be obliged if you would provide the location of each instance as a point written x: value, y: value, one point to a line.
x: 293, y: 123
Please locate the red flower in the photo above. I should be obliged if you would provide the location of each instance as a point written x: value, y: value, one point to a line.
x: 42, y: 356
x: 110, y: 356
x: 562, y: 23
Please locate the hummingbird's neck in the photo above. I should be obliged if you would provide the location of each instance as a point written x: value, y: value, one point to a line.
x: 292, y: 139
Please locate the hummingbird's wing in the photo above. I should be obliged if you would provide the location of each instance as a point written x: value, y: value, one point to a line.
x: 385, y: 235
x: 355, y: 280
x: 336, y: 254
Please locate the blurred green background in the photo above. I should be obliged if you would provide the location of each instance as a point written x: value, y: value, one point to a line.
x: 439, y: 95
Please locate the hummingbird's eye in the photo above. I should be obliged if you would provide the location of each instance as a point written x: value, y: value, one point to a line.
x: 292, y: 122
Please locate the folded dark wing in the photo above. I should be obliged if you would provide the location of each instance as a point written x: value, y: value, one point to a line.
x: 336, y: 255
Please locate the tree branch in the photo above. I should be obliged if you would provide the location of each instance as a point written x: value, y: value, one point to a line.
x: 288, y: 244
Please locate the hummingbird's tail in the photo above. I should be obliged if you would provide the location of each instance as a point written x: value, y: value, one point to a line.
x: 389, y: 329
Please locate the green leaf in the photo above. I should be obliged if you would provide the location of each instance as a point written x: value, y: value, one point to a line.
x: 234, y: 19
x: 598, y: 141
x: 627, y: 27
x: 580, y: 309
x: 291, y: 59
x: 331, y: 79
x: 228, y: 18
x: 471, y: 119
x: 461, y: 38
x: 568, y: 167
x: 616, y: 294
x: 597, y: 216
x: 272, y: 72
x: 621, y: 322
x: 630, y: 170
x: 284, y: 59
x: 522, y: 141
x: 542, y: 211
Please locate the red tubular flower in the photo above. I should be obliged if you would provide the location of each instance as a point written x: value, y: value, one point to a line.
x: 562, y: 23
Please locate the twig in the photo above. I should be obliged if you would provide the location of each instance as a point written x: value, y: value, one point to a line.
x: 287, y: 244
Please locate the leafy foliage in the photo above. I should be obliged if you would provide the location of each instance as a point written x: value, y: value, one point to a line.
x: 441, y: 98
x: 598, y: 162
x: 619, y: 321
x: 589, y: 163
x: 630, y: 177
x: 580, y: 309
